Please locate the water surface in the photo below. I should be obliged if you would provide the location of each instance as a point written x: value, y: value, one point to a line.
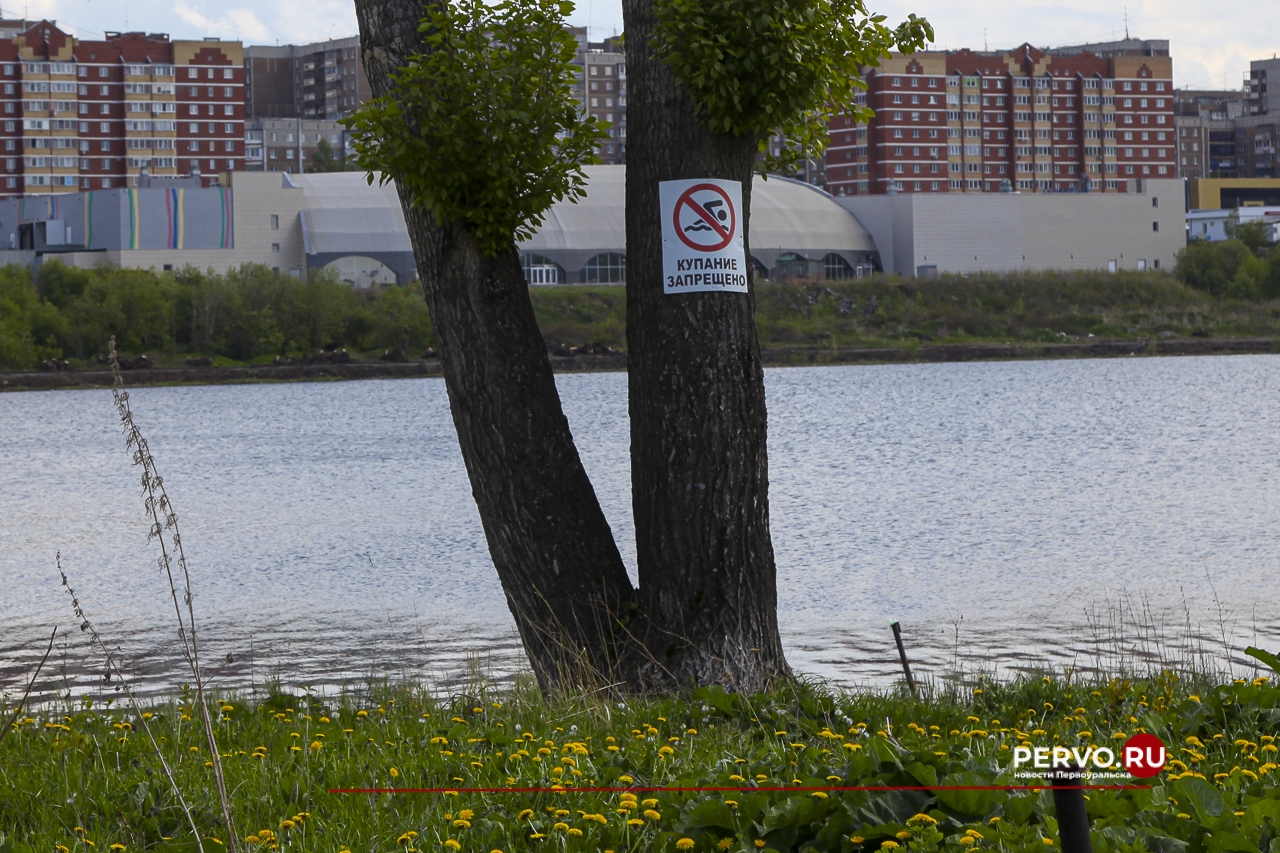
x: 1009, y: 515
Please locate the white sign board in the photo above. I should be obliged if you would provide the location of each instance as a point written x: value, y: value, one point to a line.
x: 702, y: 236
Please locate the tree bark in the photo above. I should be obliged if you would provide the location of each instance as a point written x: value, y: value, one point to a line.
x: 560, y: 569
x: 708, y: 583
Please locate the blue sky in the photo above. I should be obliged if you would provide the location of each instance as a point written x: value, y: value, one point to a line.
x: 1211, y: 44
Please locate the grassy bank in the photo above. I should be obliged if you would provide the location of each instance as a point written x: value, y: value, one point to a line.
x: 84, y: 777
x: 886, y: 311
x: 253, y: 317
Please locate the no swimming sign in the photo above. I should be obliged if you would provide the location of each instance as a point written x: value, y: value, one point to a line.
x: 702, y: 236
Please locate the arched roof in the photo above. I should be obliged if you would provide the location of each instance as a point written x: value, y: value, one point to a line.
x: 786, y: 216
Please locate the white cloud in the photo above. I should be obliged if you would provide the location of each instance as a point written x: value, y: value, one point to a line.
x: 1207, y: 42
x: 1205, y: 46
x: 238, y: 24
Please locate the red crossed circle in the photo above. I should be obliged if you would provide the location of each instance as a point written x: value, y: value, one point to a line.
x: 687, y: 200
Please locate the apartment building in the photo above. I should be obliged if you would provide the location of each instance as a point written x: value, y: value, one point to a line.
x: 289, y: 144
x: 601, y: 89
x: 1094, y: 118
x: 321, y: 81
x: 81, y: 115
x: 1206, y: 125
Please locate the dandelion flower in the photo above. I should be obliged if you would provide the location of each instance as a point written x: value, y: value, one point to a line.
x: 921, y: 820
x: 394, y: 772
x: 685, y: 844
x: 452, y: 844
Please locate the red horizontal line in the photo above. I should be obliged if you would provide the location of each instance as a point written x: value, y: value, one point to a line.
x: 660, y: 789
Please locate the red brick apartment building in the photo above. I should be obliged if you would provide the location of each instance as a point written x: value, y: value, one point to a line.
x: 79, y: 115
x: 1028, y: 120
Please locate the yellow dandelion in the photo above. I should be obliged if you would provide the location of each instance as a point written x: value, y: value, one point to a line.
x: 394, y: 772
x: 452, y: 844
x: 685, y: 844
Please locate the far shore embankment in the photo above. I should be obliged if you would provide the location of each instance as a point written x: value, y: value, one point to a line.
x: 617, y: 361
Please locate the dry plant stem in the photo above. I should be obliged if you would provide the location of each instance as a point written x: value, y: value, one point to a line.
x: 17, y: 712
x: 86, y: 625
x: 157, y: 503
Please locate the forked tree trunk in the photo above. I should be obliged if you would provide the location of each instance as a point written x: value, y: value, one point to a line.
x: 699, y: 469
x: 554, y: 552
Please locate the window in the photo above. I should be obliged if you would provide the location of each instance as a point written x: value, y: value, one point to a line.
x: 1155, y: 226
x: 103, y: 71
x: 227, y: 75
x: 608, y: 267
x: 228, y: 110
x: 275, y: 222
x: 105, y: 109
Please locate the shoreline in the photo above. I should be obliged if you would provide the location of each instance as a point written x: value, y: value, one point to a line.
x: 616, y: 362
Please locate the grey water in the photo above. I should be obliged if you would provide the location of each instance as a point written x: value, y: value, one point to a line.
x: 1095, y: 515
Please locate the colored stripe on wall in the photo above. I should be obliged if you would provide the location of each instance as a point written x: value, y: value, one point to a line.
x: 182, y: 218
x: 135, y: 224
x: 222, y: 197
x: 88, y: 221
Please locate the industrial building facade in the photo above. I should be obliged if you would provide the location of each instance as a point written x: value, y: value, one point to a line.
x: 1027, y: 119
x: 90, y: 115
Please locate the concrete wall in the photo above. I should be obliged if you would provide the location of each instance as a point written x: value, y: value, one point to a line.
x: 259, y: 196
x: 1004, y: 232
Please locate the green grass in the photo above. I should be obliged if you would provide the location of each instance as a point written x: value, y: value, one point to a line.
x: 86, y: 774
x: 887, y: 311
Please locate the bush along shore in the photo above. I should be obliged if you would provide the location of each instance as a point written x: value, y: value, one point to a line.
x: 251, y: 324
x: 82, y: 775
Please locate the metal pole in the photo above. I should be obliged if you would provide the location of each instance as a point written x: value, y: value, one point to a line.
x: 1068, y: 801
x: 902, y: 654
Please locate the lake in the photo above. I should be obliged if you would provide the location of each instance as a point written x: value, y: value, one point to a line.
x: 1012, y: 516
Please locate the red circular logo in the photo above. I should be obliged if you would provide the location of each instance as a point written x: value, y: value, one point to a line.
x: 1144, y: 755
x: 704, y: 218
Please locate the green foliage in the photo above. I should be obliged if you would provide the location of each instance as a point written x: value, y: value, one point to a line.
x: 1233, y: 268
x: 245, y: 315
x: 82, y: 772
x: 1253, y: 234
x: 756, y: 67
x: 324, y: 160
x: 481, y: 127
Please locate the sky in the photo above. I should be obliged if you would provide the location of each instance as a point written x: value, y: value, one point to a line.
x: 1211, y: 45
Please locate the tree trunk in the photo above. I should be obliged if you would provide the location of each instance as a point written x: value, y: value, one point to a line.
x: 555, y: 555
x: 708, y: 582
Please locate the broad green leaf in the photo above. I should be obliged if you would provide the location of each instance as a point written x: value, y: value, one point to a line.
x: 1204, y: 797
